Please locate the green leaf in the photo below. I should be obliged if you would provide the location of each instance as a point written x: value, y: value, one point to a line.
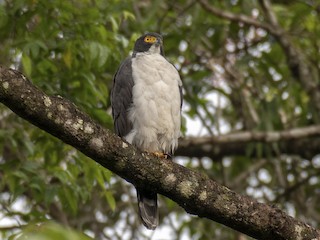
x: 103, y: 55
x: 26, y: 64
x: 107, y: 174
x: 70, y: 198
x: 114, y: 24
x: 110, y: 199
x: 128, y: 15
x: 93, y: 50
x: 102, y: 32
x: 49, y: 195
x: 99, y: 177
x: 3, y: 16
x: 50, y: 231
x: 67, y: 57
x: 63, y: 176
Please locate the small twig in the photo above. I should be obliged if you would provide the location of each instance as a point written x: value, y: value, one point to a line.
x: 295, y: 186
x: 244, y: 175
x: 267, y: 8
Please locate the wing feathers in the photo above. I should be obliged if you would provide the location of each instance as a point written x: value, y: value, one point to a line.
x: 121, y: 98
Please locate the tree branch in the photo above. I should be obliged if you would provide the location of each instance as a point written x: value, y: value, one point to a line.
x: 290, y: 141
x: 241, y: 18
x: 195, y: 192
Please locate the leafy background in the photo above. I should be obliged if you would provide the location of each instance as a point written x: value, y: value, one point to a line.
x: 236, y: 77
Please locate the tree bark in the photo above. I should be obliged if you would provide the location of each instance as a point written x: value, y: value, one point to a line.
x: 194, y: 191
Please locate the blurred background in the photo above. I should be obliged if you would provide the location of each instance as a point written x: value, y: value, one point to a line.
x: 251, y: 113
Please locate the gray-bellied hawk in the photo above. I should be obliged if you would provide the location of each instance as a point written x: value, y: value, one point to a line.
x: 146, y: 107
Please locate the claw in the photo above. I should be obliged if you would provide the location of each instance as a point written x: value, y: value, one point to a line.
x: 159, y: 154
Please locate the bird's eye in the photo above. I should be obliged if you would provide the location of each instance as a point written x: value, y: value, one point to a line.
x: 150, y: 39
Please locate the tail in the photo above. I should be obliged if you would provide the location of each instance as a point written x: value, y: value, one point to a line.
x: 148, y: 208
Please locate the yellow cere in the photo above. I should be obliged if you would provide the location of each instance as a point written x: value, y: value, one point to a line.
x: 150, y: 39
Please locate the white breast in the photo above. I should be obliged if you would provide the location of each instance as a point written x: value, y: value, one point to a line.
x: 155, y: 112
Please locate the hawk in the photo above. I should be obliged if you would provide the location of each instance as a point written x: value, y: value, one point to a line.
x: 146, y: 101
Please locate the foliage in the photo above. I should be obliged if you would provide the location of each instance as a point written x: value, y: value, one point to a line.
x: 49, y: 231
x: 236, y: 77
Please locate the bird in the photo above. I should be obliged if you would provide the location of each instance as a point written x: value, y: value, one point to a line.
x: 146, y: 100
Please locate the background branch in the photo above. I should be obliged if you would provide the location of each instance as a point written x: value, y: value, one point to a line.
x: 290, y: 141
x: 236, y: 17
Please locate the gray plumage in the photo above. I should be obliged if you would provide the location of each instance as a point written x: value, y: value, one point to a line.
x: 146, y: 104
x: 121, y: 98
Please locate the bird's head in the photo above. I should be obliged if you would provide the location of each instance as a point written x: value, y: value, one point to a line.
x: 149, y: 43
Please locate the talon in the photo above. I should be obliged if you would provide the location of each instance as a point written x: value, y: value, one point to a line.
x: 159, y: 154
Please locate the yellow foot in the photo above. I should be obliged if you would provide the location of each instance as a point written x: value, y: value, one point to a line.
x: 161, y: 155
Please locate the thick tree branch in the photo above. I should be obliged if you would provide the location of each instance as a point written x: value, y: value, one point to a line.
x: 195, y: 192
